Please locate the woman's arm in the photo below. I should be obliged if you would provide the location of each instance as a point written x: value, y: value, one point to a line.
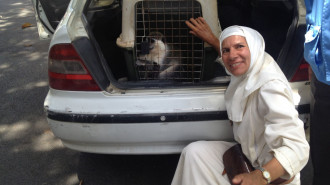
x: 201, y: 29
x: 275, y: 169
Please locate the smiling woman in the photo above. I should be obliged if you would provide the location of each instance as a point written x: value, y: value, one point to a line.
x: 236, y: 55
x: 260, y: 106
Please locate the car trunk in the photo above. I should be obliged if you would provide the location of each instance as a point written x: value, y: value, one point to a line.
x: 188, y: 60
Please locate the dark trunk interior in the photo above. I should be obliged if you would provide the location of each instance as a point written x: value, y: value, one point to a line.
x: 271, y: 18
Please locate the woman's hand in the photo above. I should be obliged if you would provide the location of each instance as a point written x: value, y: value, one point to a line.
x: 253, y: 178
x: 202, y: 30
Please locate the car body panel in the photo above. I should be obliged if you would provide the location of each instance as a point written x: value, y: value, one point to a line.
x: 301, y: 92
x: 135, y: 102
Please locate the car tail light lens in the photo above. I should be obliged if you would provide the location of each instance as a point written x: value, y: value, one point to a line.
x: 67, y: 71
x: 302, y: 72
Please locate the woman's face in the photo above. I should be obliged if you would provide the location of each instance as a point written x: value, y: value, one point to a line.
x: 236, y: 55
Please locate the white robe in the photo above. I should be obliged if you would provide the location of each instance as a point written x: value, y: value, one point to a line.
x: 270, y: 128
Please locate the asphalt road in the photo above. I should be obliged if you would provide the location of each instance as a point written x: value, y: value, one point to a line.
x: 29, y: 152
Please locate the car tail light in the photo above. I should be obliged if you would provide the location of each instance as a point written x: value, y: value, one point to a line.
x: 301, y: 73
x: 67, y: 71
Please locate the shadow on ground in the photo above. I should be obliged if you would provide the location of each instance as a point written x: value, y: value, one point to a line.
x: 126, y: 169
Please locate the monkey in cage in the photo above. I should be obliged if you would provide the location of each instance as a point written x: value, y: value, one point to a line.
x: 159, y: 57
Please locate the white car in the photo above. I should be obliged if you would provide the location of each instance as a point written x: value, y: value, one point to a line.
x: 126, y: 77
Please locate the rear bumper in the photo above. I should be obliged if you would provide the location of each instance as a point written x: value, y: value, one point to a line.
x: 138, y: 138
x: 152, y: 122
x: 140, y: 134
x: 140, y: 123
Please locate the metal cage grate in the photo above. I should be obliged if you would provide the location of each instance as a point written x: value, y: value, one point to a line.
x: 164, y: 48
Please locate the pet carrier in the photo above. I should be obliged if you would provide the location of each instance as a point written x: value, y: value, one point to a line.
x: 157, y: 43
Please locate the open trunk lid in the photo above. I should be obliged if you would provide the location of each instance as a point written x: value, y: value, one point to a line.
x: 48, y: 14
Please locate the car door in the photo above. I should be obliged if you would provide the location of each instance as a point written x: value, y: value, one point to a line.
x: 48, y: 15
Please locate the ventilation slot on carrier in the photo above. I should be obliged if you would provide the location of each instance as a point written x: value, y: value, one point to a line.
x: 164, y: 48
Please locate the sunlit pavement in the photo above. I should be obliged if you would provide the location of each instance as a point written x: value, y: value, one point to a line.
x: 30, y: 154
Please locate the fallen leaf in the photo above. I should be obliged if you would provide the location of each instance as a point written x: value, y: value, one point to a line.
x: 48, y: 131
x: 27, y: 45
x: 26, y: 25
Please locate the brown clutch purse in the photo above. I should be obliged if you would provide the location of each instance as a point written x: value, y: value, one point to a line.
x: 235, y: 162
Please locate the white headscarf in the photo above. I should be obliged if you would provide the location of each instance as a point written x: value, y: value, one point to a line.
x: 262, y: 69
